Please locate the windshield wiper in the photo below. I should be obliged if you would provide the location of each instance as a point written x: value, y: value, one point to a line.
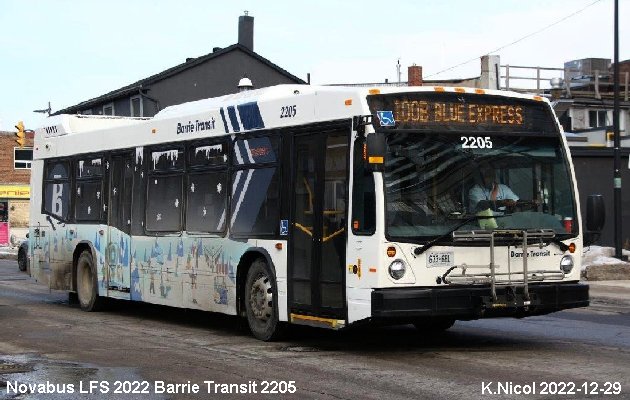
x: 563, y: 247
x: 419, y: 250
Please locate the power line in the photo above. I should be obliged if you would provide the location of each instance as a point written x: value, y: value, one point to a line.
x: 517, y: 40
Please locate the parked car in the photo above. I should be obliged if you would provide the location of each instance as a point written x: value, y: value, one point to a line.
x: 23, y: 256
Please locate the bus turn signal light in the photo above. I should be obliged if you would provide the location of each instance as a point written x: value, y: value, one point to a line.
x: 391, y: 251
x: 572, y: 248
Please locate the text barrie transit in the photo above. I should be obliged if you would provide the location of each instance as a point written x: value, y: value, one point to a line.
x: 197, y: 126
x: 155, y: 387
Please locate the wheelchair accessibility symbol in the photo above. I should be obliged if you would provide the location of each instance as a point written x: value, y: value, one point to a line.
x: 386, y: 118
x: 284, y: 227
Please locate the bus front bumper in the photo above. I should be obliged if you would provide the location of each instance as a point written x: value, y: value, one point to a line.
x: 473, y: 302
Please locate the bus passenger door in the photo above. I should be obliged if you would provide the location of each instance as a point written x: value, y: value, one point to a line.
x: 318, y: 236
x: 118, y: 253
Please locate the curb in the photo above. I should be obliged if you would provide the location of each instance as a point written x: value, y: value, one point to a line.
x: 611, y: 272
x: 8, y: 256
x: 613, y: 292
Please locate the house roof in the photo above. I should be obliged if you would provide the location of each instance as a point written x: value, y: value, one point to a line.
x: 146, y: 82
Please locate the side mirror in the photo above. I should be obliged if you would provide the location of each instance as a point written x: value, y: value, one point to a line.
x: 376, y: 149
x: 595, y: 213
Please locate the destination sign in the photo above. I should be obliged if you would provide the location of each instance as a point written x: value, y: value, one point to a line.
x: 460, y: 112
x: 424, y: 111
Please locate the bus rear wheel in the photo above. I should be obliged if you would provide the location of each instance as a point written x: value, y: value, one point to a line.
x: 87, y: 283
x: 261, y: 303
x: 22, y: 262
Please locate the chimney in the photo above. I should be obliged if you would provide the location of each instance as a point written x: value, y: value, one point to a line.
x: 414, y: 75
x: 246, y: 31
x: 490, y: 72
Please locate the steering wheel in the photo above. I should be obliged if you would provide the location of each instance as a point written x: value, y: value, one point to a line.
x: 523, y: 205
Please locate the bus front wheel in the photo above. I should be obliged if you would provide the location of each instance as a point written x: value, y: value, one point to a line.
x: 87, y: 283
x: 261, y: 302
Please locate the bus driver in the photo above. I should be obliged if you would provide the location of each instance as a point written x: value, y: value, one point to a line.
x: 490, y: 193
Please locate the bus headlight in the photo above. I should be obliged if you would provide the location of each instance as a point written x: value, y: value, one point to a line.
x: 566, y: 264
x: 397, y: 269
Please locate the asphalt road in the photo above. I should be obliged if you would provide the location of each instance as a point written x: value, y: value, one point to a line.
x: 46, y: 341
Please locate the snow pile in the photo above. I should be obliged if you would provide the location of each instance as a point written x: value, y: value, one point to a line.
x: 597, y: 255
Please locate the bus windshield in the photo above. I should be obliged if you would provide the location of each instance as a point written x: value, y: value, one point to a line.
x: 435, y: 181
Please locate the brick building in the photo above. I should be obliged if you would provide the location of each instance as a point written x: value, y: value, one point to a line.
x: 15, y: 176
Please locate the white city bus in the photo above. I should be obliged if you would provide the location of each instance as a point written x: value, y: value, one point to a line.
x: 323, y: 206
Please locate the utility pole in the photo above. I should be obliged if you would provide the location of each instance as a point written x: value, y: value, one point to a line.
x: 617, y: 141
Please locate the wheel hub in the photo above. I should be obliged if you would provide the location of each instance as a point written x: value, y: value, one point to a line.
x: 261, y: 298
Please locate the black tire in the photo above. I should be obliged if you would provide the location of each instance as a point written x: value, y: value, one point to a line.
x: 435, y: 325
x: 261, y: 303
x: 73, y: 298
x: 21, y: 259
x: 87, y: 283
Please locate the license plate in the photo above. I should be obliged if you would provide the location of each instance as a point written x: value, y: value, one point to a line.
x: 440, y: 259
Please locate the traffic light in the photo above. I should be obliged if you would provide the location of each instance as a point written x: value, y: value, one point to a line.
x: 21, y: 134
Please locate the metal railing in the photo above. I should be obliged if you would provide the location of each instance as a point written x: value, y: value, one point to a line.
x: 539, y: 79
x: 591, y: 86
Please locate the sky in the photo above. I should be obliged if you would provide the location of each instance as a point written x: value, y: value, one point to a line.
x: 68, y: 51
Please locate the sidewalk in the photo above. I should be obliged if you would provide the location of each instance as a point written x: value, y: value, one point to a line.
x: 599, y: 264
x: 8, y: 252
x: 610, y: 292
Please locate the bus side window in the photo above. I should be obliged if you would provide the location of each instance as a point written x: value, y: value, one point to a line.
x: 88, y: 190
x: 255, y: 203
x: 139, y: 192
x: 165, y: 190
x: 57, y: 189
x: 363, y: 196
x: 206, y: 187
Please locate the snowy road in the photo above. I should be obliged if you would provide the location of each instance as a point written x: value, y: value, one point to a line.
x: 43, y: 339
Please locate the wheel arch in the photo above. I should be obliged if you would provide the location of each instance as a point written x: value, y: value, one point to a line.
x: 80, y: 248
x: 241, y: 273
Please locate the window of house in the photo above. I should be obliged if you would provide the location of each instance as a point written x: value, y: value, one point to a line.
x: 597, y: 118
x: 108, y: 109
x: 22, y: 157
x: 136, y: 106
